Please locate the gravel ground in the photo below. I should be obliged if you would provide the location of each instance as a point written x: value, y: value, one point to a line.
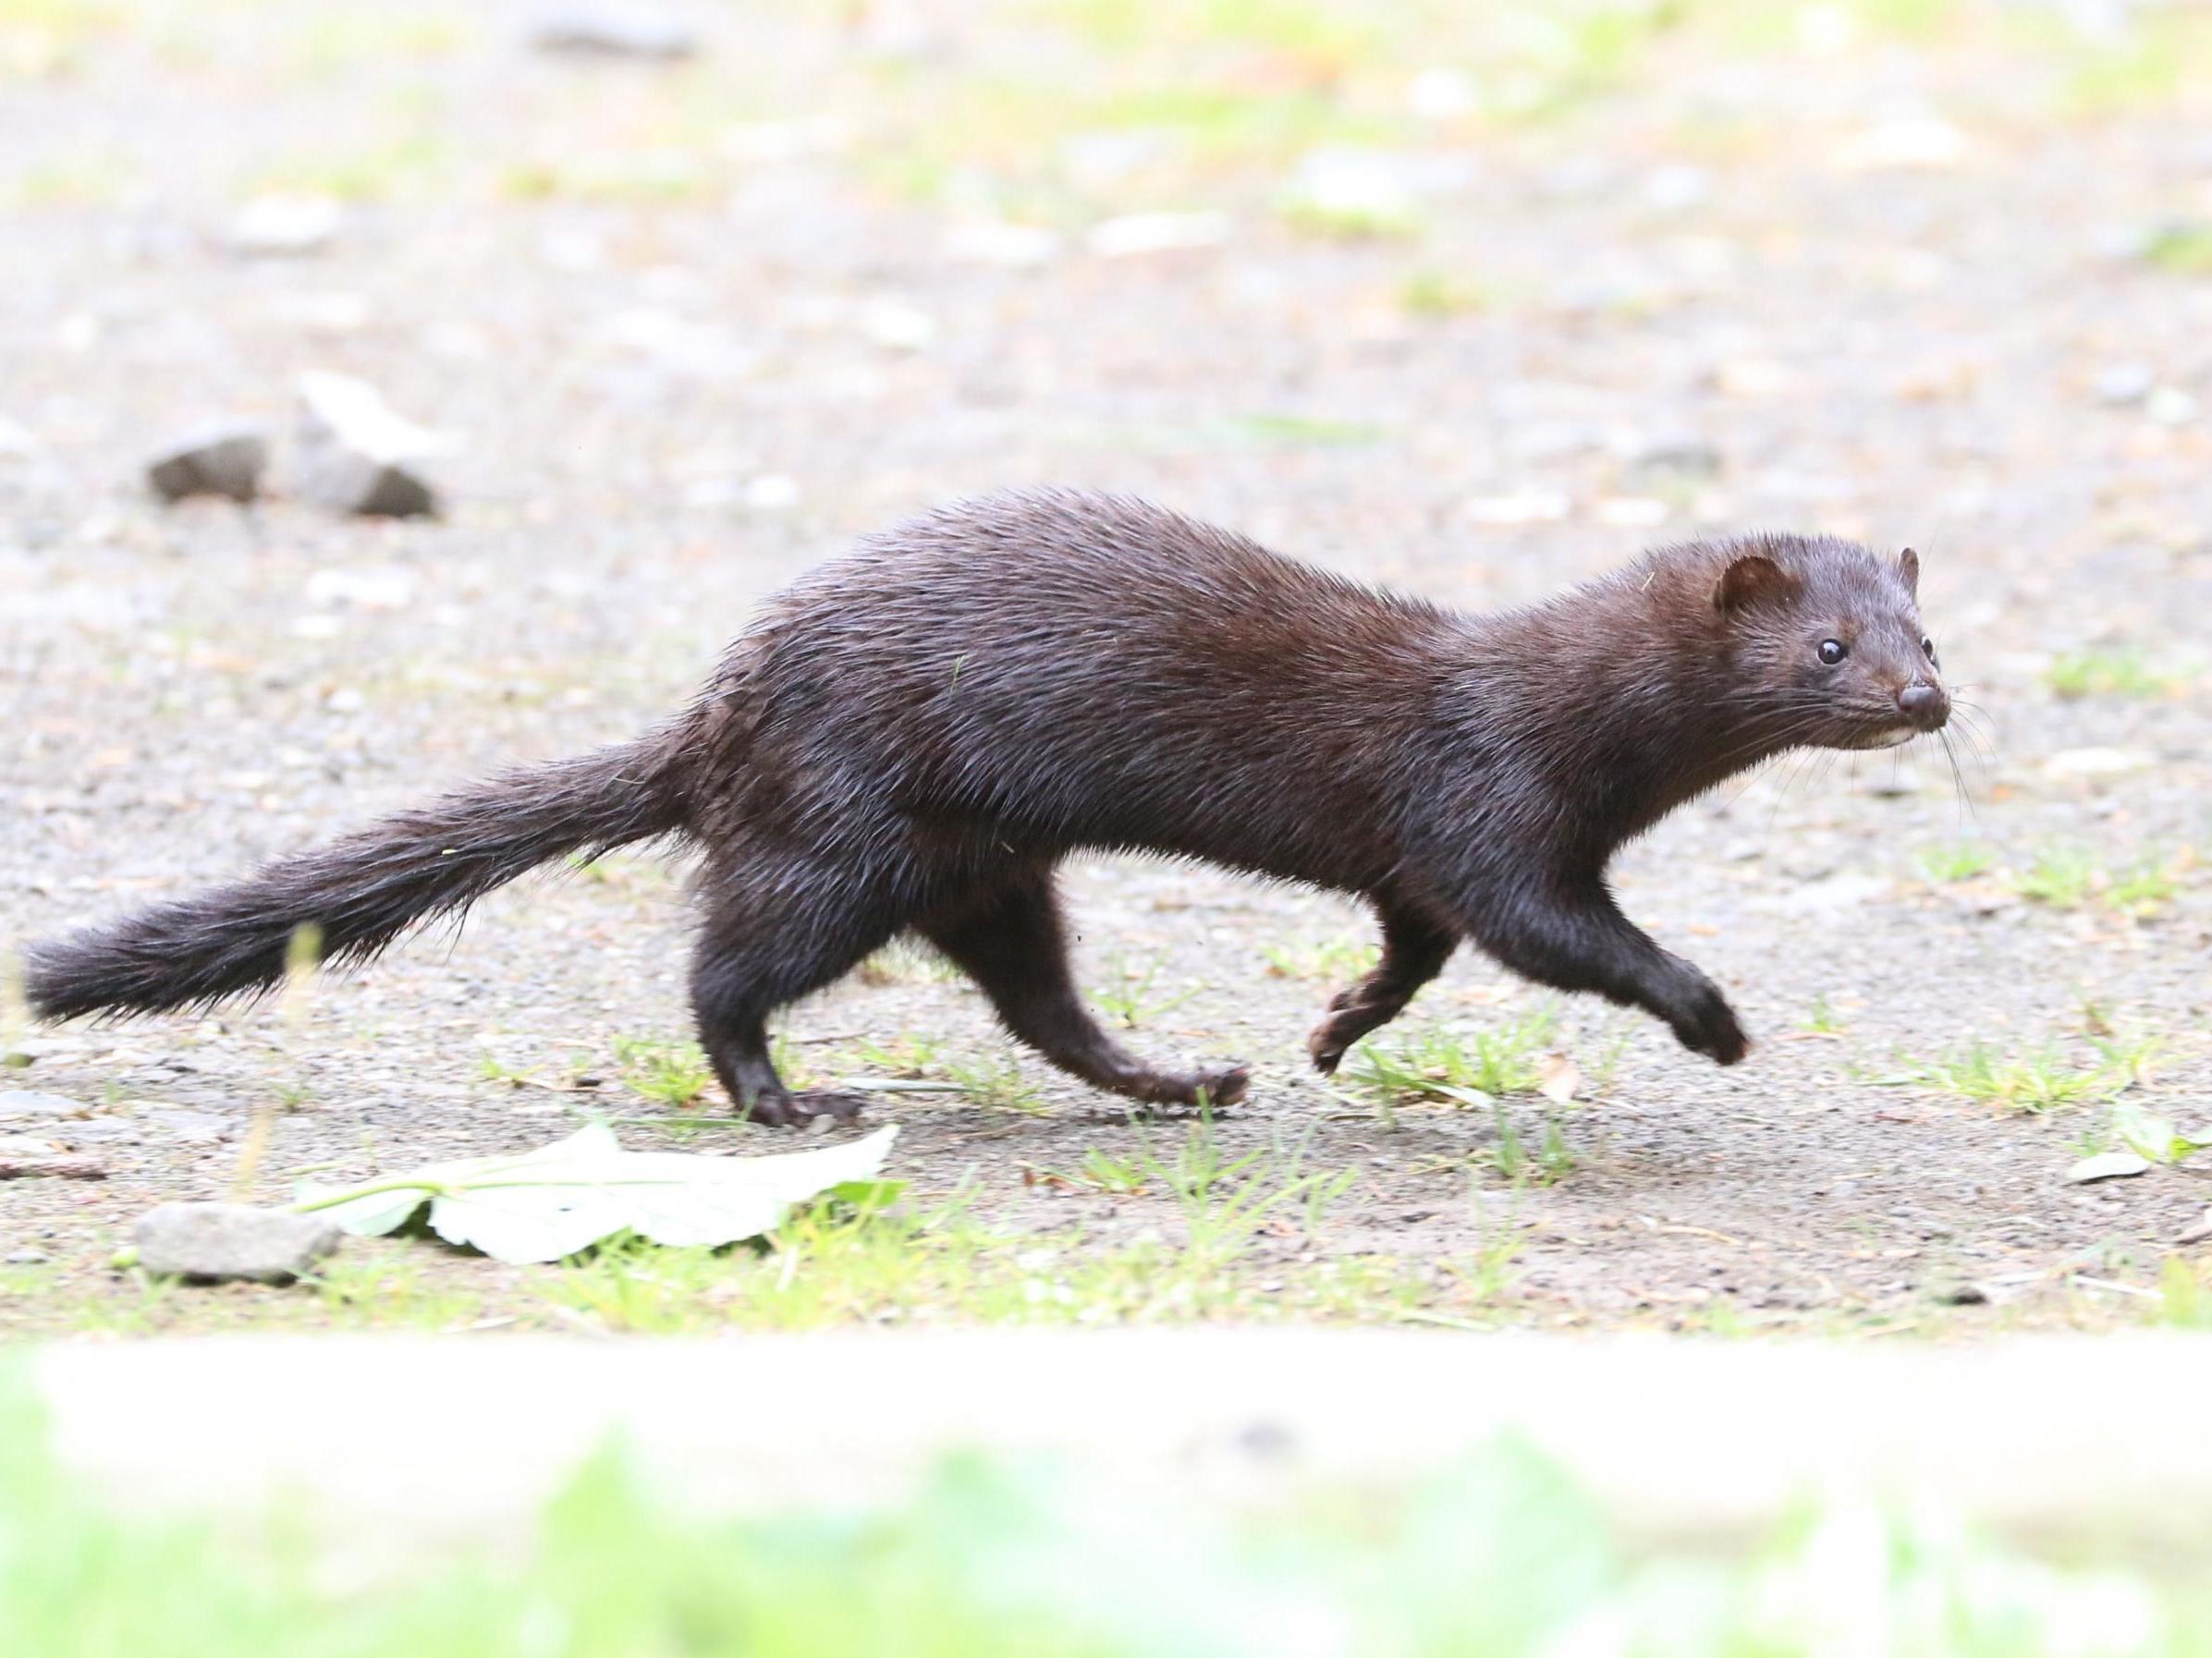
x: 694, y: 325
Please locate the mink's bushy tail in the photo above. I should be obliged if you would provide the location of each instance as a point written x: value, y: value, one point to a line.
x: 362, y: 892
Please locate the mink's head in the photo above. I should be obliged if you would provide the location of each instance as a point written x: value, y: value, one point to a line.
x: 1825, y: 642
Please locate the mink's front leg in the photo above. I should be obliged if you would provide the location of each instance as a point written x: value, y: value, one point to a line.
x: 1571, y: 935
x: 1414, y: 951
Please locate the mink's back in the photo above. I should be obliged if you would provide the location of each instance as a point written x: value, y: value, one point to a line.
x: 1072, y: 669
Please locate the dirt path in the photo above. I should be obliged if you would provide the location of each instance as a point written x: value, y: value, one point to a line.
x: 698, y: 324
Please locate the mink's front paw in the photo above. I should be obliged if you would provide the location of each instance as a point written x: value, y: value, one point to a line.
x: 1709, y: 1026
x: 1328, y: 1042
x: 1348, y: 1019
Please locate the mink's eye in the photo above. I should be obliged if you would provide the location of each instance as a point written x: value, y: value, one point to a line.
x: 1927, y: 647
x: 1832, y: 651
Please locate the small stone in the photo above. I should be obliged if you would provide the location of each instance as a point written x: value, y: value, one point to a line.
x: 212, y: 1242
x: 772, y: 492
x: 2124, y: 383
x: 1341, y: 184
x: 21, y: 1102
x: 1835, y: 892
x: 286, y: 225
x: 357, y: 455
x: 2170, y: 406
x: 327, y: 314
x: 1440, y: 94
x: 1631, y: 512
x: 199, y: 1127
x: 27, y: 1145
x: 614, y: 32
x: 1895, y: 782
x: 1676, y: 187
x: 217, y: 461
x: 1530, y: 506
x: 1754, y: 377
x: 999, y: 242
x: 2108, y: 1165
x: 1962, y: 1295
x: 27, y: 1257
x: 1921, y: 143
x: 2200, y: 1233
x: 1690, y: 455
x: 2094, y: 763
x: 899, y: 326
x: 1140, y: 233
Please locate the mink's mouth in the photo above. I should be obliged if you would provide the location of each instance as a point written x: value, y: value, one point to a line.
x: 1879, y: 737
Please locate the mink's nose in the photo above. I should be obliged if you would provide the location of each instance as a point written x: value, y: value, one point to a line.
x: 1925, y: 704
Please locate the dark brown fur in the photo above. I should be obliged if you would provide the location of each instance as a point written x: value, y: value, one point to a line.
x: 912, y: 737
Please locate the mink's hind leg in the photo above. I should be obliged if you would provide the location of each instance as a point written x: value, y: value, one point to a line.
x: 1010, y: 940
x: 1414, y: 951
x: 754, y: 956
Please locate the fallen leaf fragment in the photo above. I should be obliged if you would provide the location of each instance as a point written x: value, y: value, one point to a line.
x: 1558, y: 1078
x: 544, y: 1204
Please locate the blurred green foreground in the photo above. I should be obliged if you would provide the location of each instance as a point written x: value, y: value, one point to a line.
x: 1498, y: 1556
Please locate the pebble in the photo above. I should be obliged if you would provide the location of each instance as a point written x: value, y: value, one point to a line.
x: 899, y: 326
x: 1366, y: 187
x: 1835, y: 891
x: 1441, y: 94
x: 772, y: 492
x: 23, y: 1103
x: 2108, y: 1165
x: 1631, y: 512
x: 1677, y: 187
x: 1894, y: 781
x: 998, y: 242
x: 215, y: 460
x: 1140, y: 233
x: 357, y: 455
x: 286, y: 225
x: 2094, y: 763
x: 614, y: 32
x: 2170, y: 406
x: 197, y: 1128
x: 27, y: 1145
x: 1920, y: 143
x: 2124, y: 383
x: 213, y: 1242
x: 1531, y: 506
x: 1693, y: 456
x: 27, y: 1257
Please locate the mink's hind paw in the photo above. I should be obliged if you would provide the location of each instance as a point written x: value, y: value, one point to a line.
x: 795, y: 1111
x: 1210, y: 1089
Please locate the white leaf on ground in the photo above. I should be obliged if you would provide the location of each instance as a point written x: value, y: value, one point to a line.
x: 540, y: 1205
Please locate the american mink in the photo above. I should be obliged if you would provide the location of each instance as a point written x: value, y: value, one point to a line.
x: 912, y: 737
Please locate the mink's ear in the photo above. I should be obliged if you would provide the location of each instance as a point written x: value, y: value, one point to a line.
x: 1908, y: 567
x: 1753, y: 579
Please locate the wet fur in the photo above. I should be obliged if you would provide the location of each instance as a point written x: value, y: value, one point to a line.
x: 912, y: 737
